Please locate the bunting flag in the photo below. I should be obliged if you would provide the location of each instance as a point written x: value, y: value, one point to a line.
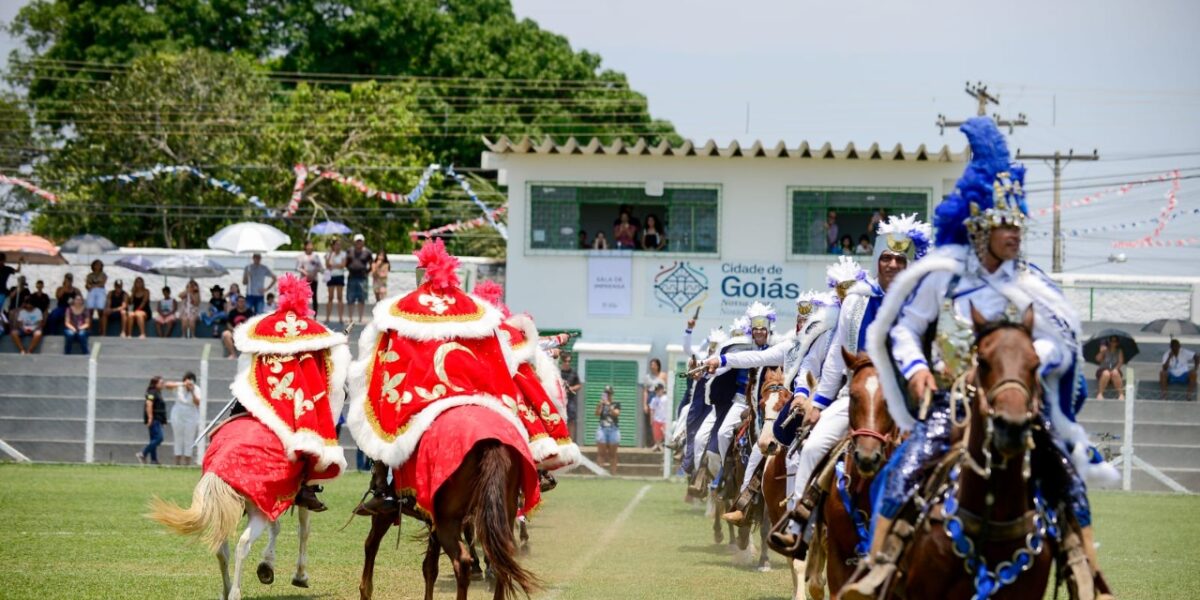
x: 1082, y: 231
x: 488, y: 213
x: 47, y: 196
x: 456, y: 226
x: 226, y: 186
x: 1098, y: 196
x: 1164, y: 217
x: 304, y: 171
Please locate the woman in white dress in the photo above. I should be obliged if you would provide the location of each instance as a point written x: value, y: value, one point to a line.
x: 185, y: 416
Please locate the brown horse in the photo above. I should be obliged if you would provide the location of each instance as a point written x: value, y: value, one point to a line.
x: 1006, y: 532
x: 871, y: 438
x: 481, y: 493
x: 775, y: 395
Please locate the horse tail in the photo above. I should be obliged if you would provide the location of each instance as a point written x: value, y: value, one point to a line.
x: 493, y: 523
x: 213, y: 516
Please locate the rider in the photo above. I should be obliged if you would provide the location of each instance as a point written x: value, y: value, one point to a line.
x: 901, y: 240
x: 700, y: 409
x: 758, y: 323
x: 978, y: 265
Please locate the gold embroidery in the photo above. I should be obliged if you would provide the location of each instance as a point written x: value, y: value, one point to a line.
x: 439, y: 390
x: 422, y: 318
x: 290, y: 326
x: 439, y: 362
x: 391, y: 393
x: 549, y: 416
x: 436, y: 303
x: 275, y: 361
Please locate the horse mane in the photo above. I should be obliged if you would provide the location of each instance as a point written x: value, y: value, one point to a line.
x: 990, y: 327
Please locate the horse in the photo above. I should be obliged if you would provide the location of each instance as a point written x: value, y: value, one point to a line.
x: 213, y: 516
x: 844, y: 520
x: 775, y: 395
x: 482, y: 492
x: 987, y: 516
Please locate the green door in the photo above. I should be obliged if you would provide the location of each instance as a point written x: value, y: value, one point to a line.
x: 680, y: 387
x: 622, y: 375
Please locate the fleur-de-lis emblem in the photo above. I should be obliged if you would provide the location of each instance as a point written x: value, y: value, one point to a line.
x: 438, y: 391
x: 302, y: 405
x: 550, y: 416
x: 275, y: 362
x: 388, y: 356
x: 435, y: 303
x: 281, y: 388
x: 290, y: 326
x: 527, y: 413
x: 391, y: 392
x: 510, y: 403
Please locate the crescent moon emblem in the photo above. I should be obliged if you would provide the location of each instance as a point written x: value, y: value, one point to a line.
x: 439, y: 362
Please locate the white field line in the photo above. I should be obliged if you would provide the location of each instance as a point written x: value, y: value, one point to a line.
x: 605, y: 538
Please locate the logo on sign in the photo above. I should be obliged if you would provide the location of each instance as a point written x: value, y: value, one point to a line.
x: 680, y: 284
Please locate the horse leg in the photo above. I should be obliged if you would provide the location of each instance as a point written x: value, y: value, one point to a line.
x: 764, y: 558
x: 524, y: 534
x: 469, y: 538
x: 429, y: 568
x: 718, y: 538
x: 380, y: 524
x: 257, y: 522
x: 223, y: 562
x: 814, y: 574
x: 300, y: 579
x: 449, y: 534
x: 266, y: 568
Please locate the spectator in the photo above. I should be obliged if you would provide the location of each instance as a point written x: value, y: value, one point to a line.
x: 94, y: 284
x: 608, y: 435
x: 1179, y: 368
x: 583, y: 241
x: 627, y: 209
x: 380, y: 269
x: 358, y: 266
x: 16, y: 296
x: 76, y: 323
x: 571, y: 380
x: 185, y: 415
x: 865, y: 247
x: 165, y: 315
x: 652, y: 235
x: 28, y: 323
x: 214, y: 315
x: 63, y: 297
x: 240, y: 313
x: 254, y: 277
x: 309, y: 265
x: 335, y: 261
x: 879, y: 216
x: 600, y: 243
x: 846, y: 247
x: 624, y: 232
x: 154, y: 416
x: 189, y: 308
x: 271, y: 305
x: 653, y: 377
x: 117, y: 303
x: 5, y: 271
x: 1111, y: 359
x: 139, y: 309
x: 235, y: 292
x: 660, y: 414
x: 831, y: 232
x: 39, y: 297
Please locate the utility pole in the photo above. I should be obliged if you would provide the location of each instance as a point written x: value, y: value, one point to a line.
x: 980, y: 94
x: 1060, y: 162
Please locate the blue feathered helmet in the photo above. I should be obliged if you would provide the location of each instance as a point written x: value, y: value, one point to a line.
x: 989, y: 194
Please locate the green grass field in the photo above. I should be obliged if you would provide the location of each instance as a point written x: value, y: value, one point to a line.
x: 77, y: 532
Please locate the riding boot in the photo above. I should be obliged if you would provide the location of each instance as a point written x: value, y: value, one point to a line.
x: 697, y: 489
x: 748, y: 497
x: 798, y: 518
x: 546, y: 481
x: 1099, y: 584
x: 307, y: 498
x: 382, y: 499
x: 873, y: 576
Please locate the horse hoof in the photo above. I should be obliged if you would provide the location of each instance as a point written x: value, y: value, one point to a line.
x: 266, y: 574
x: 764, y: 568
x: 525, y: 550
x: 300, y: 583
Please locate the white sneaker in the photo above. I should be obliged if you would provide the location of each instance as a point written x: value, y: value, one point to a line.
x: 141, y: 457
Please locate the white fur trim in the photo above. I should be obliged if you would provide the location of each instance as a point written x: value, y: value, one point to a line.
x: 244, y: 343
x: 423, y: 332
x: 304, y: 442
x: 550, y: 377
x: 525, y: 324
x: 889, y: 310
x: 567, y: 455
x: 543, y: 448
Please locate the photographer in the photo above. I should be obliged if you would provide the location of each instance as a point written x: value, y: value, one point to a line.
x: 608, y: 436
x: 185, y: 415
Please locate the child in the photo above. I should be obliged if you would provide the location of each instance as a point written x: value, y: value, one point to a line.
x: 214, y: 316
x: 271, y: 305
x: 660, y: 414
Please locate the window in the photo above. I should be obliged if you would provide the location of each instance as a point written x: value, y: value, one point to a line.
x: 572, y: 216
x: 853, y: 210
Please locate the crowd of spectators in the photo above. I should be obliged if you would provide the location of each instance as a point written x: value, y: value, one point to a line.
x: 837, y: 242
x: 628, y: 233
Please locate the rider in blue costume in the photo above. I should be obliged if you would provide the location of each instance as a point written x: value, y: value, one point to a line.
x: 698, y: 409
x: 923, y: 329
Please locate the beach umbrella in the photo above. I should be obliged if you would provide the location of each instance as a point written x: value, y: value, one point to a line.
x: 88, y: 243
x: 136, y: 262
x: 30, y: 249
x: 187, y: 265
x: 248, y: 237
x: 1172, y: 327
x: 329, y: 228
x: 1092, y: 347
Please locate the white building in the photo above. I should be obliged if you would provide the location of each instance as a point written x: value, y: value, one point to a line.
x: 740, y: 224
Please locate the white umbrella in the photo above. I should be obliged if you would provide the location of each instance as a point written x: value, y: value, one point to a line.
x: 248, y: 237
x: 189, y: 266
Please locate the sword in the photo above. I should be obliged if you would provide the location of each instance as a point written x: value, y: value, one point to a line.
x: 215, y: 421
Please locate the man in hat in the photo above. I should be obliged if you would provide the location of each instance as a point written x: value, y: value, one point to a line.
x: 358, y: 265
x: 978, y: 266
x: 215, y: 314
x: 901, y: 241
x: 759, y: 323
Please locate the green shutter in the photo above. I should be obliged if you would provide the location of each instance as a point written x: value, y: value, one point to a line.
x: 680, y: 385
x: 623, y: 376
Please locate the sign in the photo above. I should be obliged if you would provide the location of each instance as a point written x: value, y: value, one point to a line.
x: 724, y: 288
x: 610, y: 284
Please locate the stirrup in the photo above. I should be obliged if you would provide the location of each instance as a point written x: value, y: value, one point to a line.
x: 869, y: 579
x: 1080, y: 579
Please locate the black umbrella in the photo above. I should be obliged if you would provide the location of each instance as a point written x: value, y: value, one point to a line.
x: 1092, y: 347
x: 1172, y: 327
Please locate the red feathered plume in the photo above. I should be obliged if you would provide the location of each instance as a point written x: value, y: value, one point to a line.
x: 440, y: 267
x: 295, y: 295
x: 491, y: 292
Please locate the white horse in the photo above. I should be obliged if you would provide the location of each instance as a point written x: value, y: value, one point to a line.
x: 213, y: 516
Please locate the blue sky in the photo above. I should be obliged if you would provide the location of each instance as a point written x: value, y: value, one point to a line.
x: 1116, y: 76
